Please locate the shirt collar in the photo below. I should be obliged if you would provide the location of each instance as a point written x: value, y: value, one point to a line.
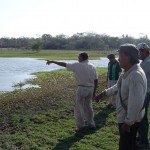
x: 130, y: 70
x: 147, y: 58
x: 85, y: 61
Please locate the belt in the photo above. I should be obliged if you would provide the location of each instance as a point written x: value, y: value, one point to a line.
x: 84, y: 86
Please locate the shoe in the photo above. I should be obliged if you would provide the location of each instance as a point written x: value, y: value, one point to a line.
x: 80, y: 130
x: 93, y: 128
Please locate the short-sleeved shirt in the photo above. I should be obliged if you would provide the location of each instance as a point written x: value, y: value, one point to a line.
x: 85, y: 73
x: 145, y: 64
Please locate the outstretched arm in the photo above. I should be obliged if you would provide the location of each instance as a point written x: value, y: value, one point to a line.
x: 95, y: 86
x: 107, y: 93
x: 63, y: 64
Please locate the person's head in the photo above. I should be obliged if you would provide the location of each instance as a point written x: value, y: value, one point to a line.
x: 144, y: 50
x: 128, y: 55
x: 111, y: 58
x: 82, y: 57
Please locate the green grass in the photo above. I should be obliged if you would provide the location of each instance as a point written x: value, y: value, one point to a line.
x: 42, y: 119
x: 51, y: 54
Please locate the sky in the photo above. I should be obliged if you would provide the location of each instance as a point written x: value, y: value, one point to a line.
x: 32, y: 18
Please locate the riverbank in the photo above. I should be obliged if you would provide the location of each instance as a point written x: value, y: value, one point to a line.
x: 43, y: 119
x: 51, y: 54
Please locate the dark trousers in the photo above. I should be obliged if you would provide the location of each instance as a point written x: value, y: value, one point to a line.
x: 144, y: 125
x: 128, y: 140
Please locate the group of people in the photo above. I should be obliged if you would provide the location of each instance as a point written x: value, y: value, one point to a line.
x: 128, y: 87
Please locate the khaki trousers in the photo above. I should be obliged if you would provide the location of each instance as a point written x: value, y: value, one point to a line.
x: 112, y: 99
x: 83, y: 107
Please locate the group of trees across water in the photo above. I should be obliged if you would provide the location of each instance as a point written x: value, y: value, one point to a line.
x: 78, y: 41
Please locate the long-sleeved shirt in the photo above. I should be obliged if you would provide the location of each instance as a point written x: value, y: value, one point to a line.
x: 133, y: 85
x: 145, y: 64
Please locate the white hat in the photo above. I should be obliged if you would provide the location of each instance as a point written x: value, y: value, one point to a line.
x: 143, y: 46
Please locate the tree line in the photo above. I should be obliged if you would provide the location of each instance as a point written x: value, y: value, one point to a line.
x: 78, y: 41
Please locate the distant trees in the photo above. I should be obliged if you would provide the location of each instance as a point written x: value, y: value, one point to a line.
x: 78, y: 41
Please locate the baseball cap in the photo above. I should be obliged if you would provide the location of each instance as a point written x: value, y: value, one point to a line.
x: 111, y: 56
x: 131, y: 50
x: 143, y: 46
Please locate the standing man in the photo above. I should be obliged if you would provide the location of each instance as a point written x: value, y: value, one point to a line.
x: 144, y: 125
x: 114, y: 71
x: 131, y: 90
x: 87, y: 79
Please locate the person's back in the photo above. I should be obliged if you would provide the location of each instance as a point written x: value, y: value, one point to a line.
x: 85, y: 73
x: 87, y: 79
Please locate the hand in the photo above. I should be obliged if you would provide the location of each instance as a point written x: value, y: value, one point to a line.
x: 99, y: 97
x: 49, y: 62
x: 126, y: 128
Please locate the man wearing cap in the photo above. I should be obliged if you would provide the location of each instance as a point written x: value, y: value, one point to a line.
x: 144, y: 125
x: 131, y: 90
x: 87, y: 79
x: 113, y: 73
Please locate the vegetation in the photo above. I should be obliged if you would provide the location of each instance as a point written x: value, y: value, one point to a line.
x: 42, y: 119
x: 52, y: 54
x: 80, y: 41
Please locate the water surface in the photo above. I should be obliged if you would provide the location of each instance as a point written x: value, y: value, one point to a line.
x: 16, y: 70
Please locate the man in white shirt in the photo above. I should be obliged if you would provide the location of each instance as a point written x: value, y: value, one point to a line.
x: 131, y: 90
x: 87, y: 79
x: 144, y: 125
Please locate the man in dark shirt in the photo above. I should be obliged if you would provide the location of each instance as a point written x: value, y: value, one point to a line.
x: 114, y: 71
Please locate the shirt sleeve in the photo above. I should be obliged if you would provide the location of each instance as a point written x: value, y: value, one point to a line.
x: 114, y: 89
x: 135, y: 99
x: 147, y: 68
x: 71, y: 67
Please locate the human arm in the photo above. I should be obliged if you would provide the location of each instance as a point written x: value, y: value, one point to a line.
x: 95, y: 86
x: 62, y: 64
x: 106, y: 93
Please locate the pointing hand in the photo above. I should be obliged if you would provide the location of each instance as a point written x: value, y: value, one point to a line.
x: 49, y: 62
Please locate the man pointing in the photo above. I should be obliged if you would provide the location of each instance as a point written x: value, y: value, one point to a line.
x: 87, y: 79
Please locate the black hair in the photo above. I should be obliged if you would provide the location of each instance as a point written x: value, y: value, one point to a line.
x: 84, y: 55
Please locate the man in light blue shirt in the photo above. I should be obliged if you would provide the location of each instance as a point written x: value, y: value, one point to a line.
x: 144, y: 125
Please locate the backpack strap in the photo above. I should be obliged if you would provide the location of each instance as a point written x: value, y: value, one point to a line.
x: 121, y: 100
x: 123, y: 104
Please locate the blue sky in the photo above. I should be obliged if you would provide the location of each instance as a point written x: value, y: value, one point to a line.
x: 33, y: 18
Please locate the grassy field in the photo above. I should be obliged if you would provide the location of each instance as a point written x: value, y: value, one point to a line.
x: 51, y: 54
x: 42, y: 119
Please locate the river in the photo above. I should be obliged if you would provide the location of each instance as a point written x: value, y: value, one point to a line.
x: 16, y: 70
